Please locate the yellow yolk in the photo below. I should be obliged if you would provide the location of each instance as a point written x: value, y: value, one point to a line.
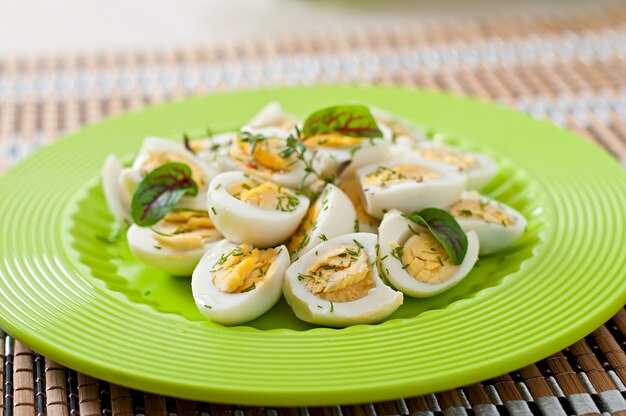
x: 267, y: 195
x: 301, y: 238
x: 352, y: 189
x: 406, y: 172
x: 185, y: 230
x: 474, y: 208
x: 449, y: 157
x: 342, y: 275
x: 242, y: 269
x: 425, y: 259
x: 266, y: 156
x: 156, y: 159
x: 331, y: 140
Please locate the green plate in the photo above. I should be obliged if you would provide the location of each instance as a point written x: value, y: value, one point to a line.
x: 89, y: 305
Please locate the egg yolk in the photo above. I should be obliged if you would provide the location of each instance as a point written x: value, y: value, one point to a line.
x: 267, y: 155
x: 331, y: 140
x: 184, y: 230
x: 384, y: 176
x: 242, y: 269
x: 476, y: 209
x: 267, y: 195
x: 156, y: 159
x: 342, y: 275
x: 352, y: 189
x: 423, y: 257
x: 461, y: 160
x: 301, y: 237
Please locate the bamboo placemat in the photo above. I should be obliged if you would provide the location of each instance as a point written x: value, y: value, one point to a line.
x: 570, y: 69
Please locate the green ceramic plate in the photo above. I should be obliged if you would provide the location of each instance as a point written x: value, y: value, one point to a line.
x: 88, y: 304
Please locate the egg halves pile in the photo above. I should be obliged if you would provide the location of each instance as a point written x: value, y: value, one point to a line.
x: 342, y: 251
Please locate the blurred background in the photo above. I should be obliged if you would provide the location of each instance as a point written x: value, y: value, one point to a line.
x: 67, y: 63
x: 32, y: 27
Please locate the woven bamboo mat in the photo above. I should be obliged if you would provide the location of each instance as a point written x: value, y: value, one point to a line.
x: 570, y: 69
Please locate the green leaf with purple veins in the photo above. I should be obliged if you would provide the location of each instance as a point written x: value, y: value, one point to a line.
x: 352, y: 120
x: 159, y: 191
x: 446, y: 230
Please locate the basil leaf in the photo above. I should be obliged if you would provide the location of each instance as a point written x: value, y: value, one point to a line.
x: 159, y: 191
x: 350, y: 120
x: 446, y: 230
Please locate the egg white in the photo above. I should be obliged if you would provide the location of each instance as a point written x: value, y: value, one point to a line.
x: 336, y: 217
x: 236, y: 308
x: 395, y: 229
x: 113, y: 192
x: 493, y: 237
x: 477, y: 177
x: 178, y: 263
x: 380, y: 302
x: 273, y: 115
x: 244, y: 223
x: 411, y: 196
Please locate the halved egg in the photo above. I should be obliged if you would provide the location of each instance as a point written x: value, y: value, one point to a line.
x: 402, y: 130
x: 352, y: 188
x: 248, y: 209
x: 260, y: 152
x: 409, y: 186
x: 176, y: 243
x: 213, y: 149
x: 337, y: 283
x: 497, y: 225
x: 113, y: 191
x: 273, y: 115
x: 480, y: 169
x: 156, y: 152
x: 332, y: 150
x: 413, y: 261
x: 331, y: 215
x: 234, y: 283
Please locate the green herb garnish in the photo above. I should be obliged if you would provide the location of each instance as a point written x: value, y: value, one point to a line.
x: 446, y: 230
x: 352, y: 120
x: 159, y: 191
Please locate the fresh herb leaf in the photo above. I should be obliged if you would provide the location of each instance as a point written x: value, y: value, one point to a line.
x: 446, y: 230
x: 323, y: 237
x: 252, y: 140
x: 159, y: 191
x: 186, y: 142
x: 352, y: 120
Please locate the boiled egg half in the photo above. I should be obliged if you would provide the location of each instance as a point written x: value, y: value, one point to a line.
x: 409, y: 186
x: 236, y: 283
x: 480, y: 169
x: 337, y: 283
x: 331, y: 215
x: 176, y: 243
x: 260, y: 152
x: 497, y: 225
x: 248, y: 209
x: 413, y: 261
x: 156, y: 152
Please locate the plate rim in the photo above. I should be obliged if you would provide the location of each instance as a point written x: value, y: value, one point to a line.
x: 86, y: 366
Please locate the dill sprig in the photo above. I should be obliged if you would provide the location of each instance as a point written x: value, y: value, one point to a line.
x: 295, y: 147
